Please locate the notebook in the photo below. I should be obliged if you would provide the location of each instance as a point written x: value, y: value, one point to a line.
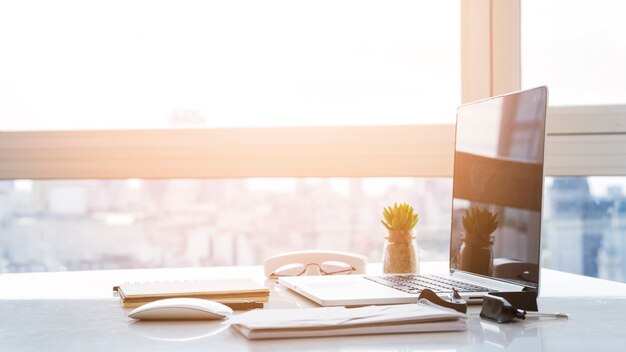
x: 236, y: 293
x: 498, y: 167
x: 337, y: 321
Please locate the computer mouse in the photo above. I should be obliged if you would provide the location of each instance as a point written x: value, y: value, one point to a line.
x: 181, y: 309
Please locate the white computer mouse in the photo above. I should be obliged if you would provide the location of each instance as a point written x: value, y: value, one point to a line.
x: 181, y: 309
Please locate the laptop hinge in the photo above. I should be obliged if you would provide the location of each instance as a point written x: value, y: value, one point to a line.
x: 486, y: 282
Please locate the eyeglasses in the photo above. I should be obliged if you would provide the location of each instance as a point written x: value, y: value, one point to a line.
x: 314, y: 262
x: 324, y: 268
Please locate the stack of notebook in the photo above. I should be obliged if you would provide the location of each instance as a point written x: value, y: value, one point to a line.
x: 235, y: 293
x: 338, y: 321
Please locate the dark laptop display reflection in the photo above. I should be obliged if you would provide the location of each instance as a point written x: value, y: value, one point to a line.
x: 498, y: 181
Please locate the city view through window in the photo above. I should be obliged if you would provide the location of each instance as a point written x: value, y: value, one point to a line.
x: 111, y: 224
x: 98, y: 224
x: 584, y: 228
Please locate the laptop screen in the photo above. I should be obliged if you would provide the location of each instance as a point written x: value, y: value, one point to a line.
x: 497, y: 187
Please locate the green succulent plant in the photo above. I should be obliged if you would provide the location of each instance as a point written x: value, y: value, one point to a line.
x: 479, y: 224
x: 401, y: 217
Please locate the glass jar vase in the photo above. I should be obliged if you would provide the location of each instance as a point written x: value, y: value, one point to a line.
x: 401, y: 253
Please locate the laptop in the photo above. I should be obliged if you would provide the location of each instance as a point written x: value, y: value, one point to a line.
x: 498, y: 172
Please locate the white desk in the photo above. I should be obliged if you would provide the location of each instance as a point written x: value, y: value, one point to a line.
x: 76, y: 311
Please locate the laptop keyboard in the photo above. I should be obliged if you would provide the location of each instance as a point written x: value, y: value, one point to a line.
x: 416, y: 283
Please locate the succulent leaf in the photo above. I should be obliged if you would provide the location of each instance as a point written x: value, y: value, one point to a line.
x: 399, y: 217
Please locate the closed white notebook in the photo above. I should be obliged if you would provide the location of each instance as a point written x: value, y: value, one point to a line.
x: 220, y: 288
x: 336, y: 321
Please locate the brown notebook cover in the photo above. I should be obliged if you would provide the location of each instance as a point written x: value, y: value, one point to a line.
x: 223, y: 288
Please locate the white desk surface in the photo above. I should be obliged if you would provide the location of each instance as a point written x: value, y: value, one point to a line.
x: 75, y: 311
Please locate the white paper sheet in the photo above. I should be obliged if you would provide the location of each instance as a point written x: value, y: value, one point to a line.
x: 340, y: 316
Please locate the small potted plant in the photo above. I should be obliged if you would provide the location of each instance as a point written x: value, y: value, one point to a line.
x: 476, y: 249
x: 400, y: 253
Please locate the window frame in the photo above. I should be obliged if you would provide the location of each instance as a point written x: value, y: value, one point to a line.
x: 356, y: 151
x: 586, y: 141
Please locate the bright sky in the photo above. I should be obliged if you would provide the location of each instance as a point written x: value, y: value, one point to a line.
x: 577, y: 48
x: 137, y: 64
x: 73, y: 64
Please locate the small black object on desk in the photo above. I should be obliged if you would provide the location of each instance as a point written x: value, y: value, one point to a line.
x: 526, y: 300
x: 500, y: 310
x: 457, y: 303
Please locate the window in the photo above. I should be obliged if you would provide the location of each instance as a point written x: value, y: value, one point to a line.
x: 127, y: 79
x: 340, y: 63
